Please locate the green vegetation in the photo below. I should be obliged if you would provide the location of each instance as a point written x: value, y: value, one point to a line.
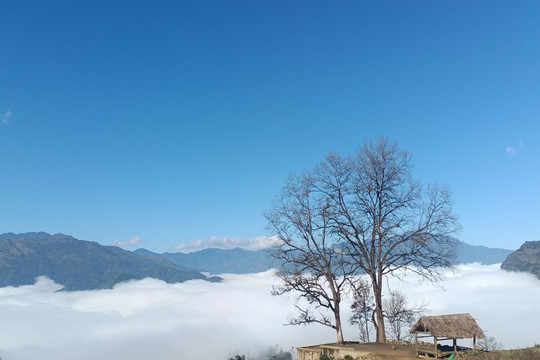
x: 270, y: 353
x: 328, y: 357
x: 325, y: 357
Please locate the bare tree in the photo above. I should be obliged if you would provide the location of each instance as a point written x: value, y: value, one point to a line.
x: 399, y: 314
x: 362, y: 308
x: 489, y: 344
x: 389, y: 221
x: 367, y: 212
x: 311, y: 261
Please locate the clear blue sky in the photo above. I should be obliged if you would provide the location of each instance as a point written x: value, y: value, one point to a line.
x: 171, y: 122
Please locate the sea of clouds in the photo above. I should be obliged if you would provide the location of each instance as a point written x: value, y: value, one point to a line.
x: 150, y: 319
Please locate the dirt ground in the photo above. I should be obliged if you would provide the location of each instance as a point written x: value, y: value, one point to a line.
x: 387, y: 351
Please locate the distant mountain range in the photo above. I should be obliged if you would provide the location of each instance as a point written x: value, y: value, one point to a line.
x: 218, y: 261
x: 239, y: 261
x: 80, y: 265
x: 526, y: 258
x: 467, y: 254
x: 84, y: 265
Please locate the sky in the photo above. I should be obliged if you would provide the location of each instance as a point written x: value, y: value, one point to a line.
x: 173, y: 125
x: 148, y: 318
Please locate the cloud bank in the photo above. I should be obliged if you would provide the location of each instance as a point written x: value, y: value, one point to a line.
x: 150, y: 319
x: 257, y: 243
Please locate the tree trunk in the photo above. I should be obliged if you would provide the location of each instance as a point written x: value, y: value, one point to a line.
x: 379, y: 316
x: 381, y: 331
x: 339, y: 329
x: 337, y: 313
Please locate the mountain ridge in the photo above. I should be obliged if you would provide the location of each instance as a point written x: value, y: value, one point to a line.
x: 240, y: 261
x: 80, y: 264
x: 526, y: 258
x: 84, y: 265
x: 216, y: 261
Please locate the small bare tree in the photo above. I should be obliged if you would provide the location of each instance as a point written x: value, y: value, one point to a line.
x: 362, y: 308
x: 311, y: 262
x: 489, y: 344
x: 399, y: 315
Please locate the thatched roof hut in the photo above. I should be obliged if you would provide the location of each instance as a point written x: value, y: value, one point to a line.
x: 448, y: 327
x: 454, y: 326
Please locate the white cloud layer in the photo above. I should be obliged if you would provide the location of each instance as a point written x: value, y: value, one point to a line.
x: 257, y: 243
x: 149, y: 319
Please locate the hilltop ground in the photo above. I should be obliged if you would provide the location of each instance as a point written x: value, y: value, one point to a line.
x: 387, y: 351
x: 403, y: 351
x: 365, y: 351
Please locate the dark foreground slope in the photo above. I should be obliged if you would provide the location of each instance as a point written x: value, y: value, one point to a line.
x: 526, y: 258
x: 78, y: 264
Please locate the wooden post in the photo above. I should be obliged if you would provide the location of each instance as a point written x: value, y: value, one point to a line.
x: 416, y: 342
x: 436, y: 349
x: 455, y: 344
x: 474, y: 342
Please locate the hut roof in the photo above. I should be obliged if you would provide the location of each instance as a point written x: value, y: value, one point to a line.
x: 450, y: 326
